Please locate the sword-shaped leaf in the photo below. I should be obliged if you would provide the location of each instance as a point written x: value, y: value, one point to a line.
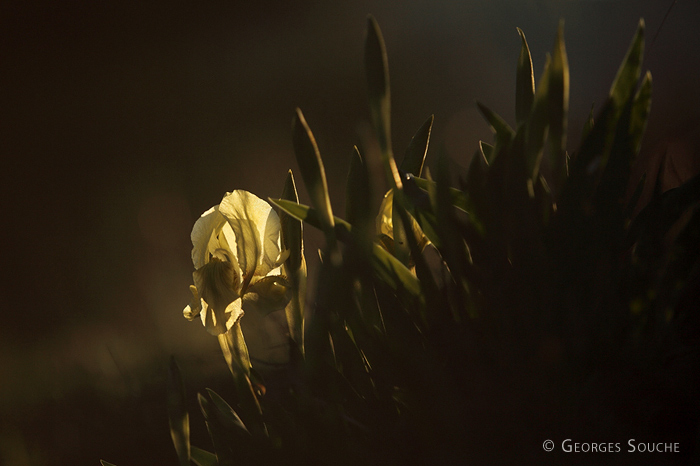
x: 524, y: 82
x: 418, y: 148
x: 558, y: 99
x: 498, y: 125
x: 386, y: 266
x: 378, y: 91
x: 295, y: 265
x: 178, y: 416
x: 203, y: 457
x: 358, y: 192
x: 312, y: 171
x: 640, y: 112
x: 628, y: 74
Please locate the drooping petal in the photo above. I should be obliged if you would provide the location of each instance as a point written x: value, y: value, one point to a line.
x: 210, y: 320
x: 219, y: 323
x: 217, y: 285
x: 257, y: 230
x: 204, y: 233
x: 192, y: 310
x: 234, y: 312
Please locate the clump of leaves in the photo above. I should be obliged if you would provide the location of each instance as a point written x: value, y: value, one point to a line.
x: 518, y: 303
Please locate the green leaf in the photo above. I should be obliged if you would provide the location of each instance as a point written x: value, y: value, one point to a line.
x: 295, y: 265
x: 222, y: 446
x: 592, y: 155
x: 418, y: 148
x: 235, y: 353
x: 203, y: 457
x: 386, y: 266
x: 524, y: 83
x: 539, y: 122
x: 487, y: 152
x: 662, y: 212
x: 454, y: 248
x: 292, y: 230
x: 628, y: 74
x: 457, y: 197
x: 377, y: 69
x: 313, y: 173
x: 226, y: 415
x: 310, y: 215
x: 609, y: 195
x: 178, y: 417
x: 378, y: 91
x: 588, y: 125
x: 474, y: 184
x: 632, y: 204
x: 358, y: 191
x: 498, y: 125
x: 686, y: 250
x: 558, y: 99
x: 640, y: 112
x: 400, y: 231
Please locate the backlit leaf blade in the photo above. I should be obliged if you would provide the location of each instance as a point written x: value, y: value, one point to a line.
x: 312, y: 171
x: 358, y: 191
x: 418, y: 148
x: 662, y: 212
x: 640, y: 112
x: 636, y: 195
x: 628, y: 74
x: 457, y: 197
x: 217, y: 432
x: 498, y: 124
x: 378, y: 91
x: 226, y: 415
x: 525, y: 82
x: 539, y: 123
x: 387, y: 267
x: 487, y: 152
x: 295, y: 265
x: 588, y: 125
x: 178, y: 416
x: 203, y: 457
x: 558, y: 98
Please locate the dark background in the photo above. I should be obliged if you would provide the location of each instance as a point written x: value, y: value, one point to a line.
x: 121, y: 122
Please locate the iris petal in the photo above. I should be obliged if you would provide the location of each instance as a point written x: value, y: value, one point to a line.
x: 205, y: 232
x: 257, y: 230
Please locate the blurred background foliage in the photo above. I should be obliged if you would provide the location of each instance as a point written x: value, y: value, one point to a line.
x: 122, y: 122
